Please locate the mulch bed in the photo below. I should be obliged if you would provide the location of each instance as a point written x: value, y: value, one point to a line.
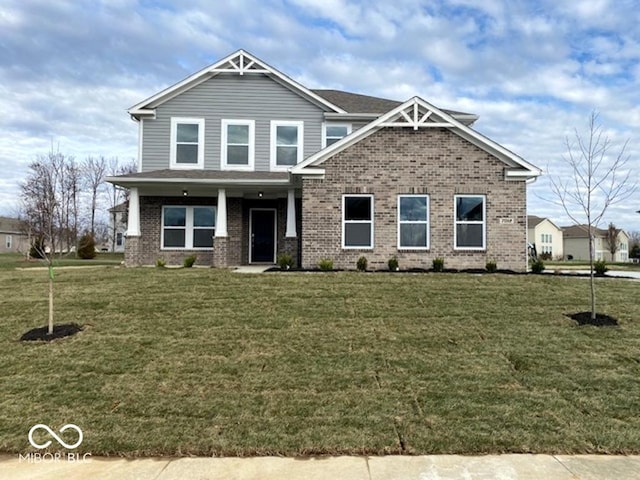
x: 59, y: 331
x: 601, y: 320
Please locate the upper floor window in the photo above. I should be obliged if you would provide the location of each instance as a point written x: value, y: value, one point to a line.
x: 335, y: 132
x: 186, y: 227
x: 546, y: 238
x: 286, y: 144
x: 470, y: 224
x: 413, y: 221
x: 237, y: 140
x: 357, y: 221
x: 187, y: 142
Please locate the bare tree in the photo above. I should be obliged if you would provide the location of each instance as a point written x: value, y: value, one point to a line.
x: 93, y: 173
x: 598, y: 179
x: 611, y: 237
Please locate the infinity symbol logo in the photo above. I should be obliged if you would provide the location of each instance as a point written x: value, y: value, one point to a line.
x: 52, y: 433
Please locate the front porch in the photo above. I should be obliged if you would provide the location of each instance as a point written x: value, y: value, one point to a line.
x: 239, y: 224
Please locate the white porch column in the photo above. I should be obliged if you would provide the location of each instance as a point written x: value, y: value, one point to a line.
x: 221, y: 214
x: 291, y: 214
x: 133, y: 220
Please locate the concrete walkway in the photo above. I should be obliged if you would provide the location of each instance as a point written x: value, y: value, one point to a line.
x: 431, y: 467
x: 631, y: 274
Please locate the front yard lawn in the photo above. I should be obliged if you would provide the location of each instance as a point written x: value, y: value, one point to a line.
x: 207, y: 362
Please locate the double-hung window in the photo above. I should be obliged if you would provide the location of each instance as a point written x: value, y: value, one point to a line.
x: 357, y: 221
x: 237, y: 140
x: 187, y: 227
x: 8, y: 241
x: 286, y: 144
x: 413, y: 222
x: 335, y: 132
x: 470, y: 222
x: 187, y: 143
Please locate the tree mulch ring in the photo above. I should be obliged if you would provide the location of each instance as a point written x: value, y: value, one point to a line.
x: 59, y: 331
x: 601, y: 320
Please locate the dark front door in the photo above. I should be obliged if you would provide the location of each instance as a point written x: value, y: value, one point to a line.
x: 263, y: 235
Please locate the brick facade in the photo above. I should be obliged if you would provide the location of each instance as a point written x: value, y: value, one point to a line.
x: 227, y: 251
x: 396, y: 161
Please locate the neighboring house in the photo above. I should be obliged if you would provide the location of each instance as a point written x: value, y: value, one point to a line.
x: 545, y: 236
x: 576, y: 244
x: 239, y: 163
x: 12, y: 236
x: 117, y: 227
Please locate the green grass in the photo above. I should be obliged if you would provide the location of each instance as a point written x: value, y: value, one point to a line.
x: 199, y: 361
x: 16, y: 260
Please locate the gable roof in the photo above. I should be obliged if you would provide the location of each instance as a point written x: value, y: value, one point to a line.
x: 11, y: 225
x: 533, y: 221
x: 240, y: 62
x: 417, y: 113
x: 582, y: 231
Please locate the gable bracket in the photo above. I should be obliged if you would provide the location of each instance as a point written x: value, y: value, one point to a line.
x: 413, y: 117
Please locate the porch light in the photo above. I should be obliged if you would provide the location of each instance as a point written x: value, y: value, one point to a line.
x: 260, y: 194
x: 185, y: 193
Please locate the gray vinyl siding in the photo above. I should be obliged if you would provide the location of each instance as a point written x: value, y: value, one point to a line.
x: 229, y: 96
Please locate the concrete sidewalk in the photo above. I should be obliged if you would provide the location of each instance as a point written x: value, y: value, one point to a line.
x: 431, y: 467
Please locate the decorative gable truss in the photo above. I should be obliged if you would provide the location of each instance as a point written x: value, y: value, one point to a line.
x: 416, y: 113
x: 240, y: 63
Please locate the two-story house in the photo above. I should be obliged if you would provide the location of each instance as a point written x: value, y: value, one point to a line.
x: 576, y: 244
x: 546, y: 236
x: 239, y: 163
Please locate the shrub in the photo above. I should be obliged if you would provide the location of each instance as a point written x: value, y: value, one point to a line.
x: 393, y: 264
x: 326, y: 264
x: 491, y: 267
x: 361, y: 264
x: 285, y: 261
x: 600, y: 267
x: 87, y: 247
x: 438, y: 264
x: 160, y: 262
x: 537, y: 266
x: 546, y: 256
x: 189, y: 261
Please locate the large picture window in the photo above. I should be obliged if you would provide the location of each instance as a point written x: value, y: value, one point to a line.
x: 357, y: 221
x: 187, y: 143
x: 286, y: 144
x: 413, y: 221
x: 470, y: 222
x: 237, y: 140
x: 187, y: 227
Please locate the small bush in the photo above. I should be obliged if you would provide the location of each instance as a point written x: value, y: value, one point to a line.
x: 393, y: 264
x: 547, y: 257
x: 600, y: 267
x: 87, y: 247
x: 285, y: 261
x: 361, y: 264
x: 537, y: 266
x: 189, y: 261
x: 326, y: 264
x: 160, y: 262
x: 491, y: 267
x: 438, y: 264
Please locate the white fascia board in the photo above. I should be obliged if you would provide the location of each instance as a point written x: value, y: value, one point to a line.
x: 200, y: 181
x: 351, y: 116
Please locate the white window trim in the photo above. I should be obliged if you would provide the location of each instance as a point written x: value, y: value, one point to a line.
x: 174, y: 134
x: 324, y: 130
x: 188, y: 237
x: 411, y: 222
x: 8, y: 241
x: 285, y: 123
x: 483, y: 223
x: 223, y: 145
x: 344, y: 222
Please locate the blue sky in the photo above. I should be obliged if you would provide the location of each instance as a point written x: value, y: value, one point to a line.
x: 532, y: 70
